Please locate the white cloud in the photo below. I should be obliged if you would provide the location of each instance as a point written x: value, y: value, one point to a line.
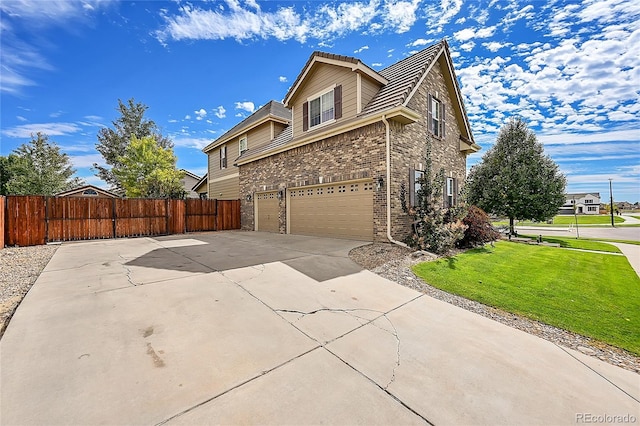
x: 376, y: 64
x: 84, y: 161
x: 494, y: 46
x: 200, y: 114
x: 50, y: 11
x: 418, y: 42
x: 325, y: 22
x: 400, y: 15
x: 51, y: 129
x: 21, y: 118
x: 190, y: 142
x: 361, y: 49
x: 246, y: 106
x: 220, y: 112
x: 187, y: 117
x: 173, y: 120
x: 282, y: 79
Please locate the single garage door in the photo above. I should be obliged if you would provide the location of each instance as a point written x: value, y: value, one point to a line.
x: 339, y: 210
x: 267, y: 208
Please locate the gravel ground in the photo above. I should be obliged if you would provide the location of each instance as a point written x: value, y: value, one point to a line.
x: 394, y: 263
x: 19, y: 269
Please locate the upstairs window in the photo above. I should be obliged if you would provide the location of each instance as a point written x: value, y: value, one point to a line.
x: 322, y: 108
x: 435, y: 116
x: 588, y: 201
x: 243, y: 144
x: 223, y: 157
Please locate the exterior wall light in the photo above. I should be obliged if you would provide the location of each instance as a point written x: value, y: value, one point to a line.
x: 280, y: 194
x: 380, y: 183
x: 248, y: 198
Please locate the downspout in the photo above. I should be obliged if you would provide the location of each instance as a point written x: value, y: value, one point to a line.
x: 388, y: 140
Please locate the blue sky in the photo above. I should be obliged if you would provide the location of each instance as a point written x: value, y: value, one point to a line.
x: 570, y: 68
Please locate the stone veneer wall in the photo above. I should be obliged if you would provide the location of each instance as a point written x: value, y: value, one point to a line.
x: 408, y: 147
x: 352, y: 155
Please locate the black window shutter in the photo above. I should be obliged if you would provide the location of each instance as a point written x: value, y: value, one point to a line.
x: 337, y: 102
x: 412, y: 187
x: 442, y: 115
x: 305, y: 116
x: 429, y: 116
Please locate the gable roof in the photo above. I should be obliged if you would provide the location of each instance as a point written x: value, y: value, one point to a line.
x: 191, y: 175
x: 272, y: 110
x: 403, y: 79
x: 316, y: 57
x: 202, y: 181
x: 83, y: 188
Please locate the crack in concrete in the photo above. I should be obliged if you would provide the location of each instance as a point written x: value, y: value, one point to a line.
x: 129, y: 272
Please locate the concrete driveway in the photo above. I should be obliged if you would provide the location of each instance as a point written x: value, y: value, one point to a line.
x: 247, y: 327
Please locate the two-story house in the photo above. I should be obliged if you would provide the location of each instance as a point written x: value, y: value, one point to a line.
x: 581, y: 203
x: 344, y: 143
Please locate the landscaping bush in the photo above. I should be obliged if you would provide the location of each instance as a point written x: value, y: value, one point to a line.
x: 479, y: 229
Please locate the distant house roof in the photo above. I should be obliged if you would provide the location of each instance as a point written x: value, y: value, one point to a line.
x: 87, y: 191
x: 273, y: 110
x: 202, y: 181
x: 191, y: 175
x: 582, y: 194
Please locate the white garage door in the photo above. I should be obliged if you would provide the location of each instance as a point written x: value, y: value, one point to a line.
x: 339, y: 210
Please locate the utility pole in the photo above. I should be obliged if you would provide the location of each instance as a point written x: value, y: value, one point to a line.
x: 575, y: 215
x: 611, y: 205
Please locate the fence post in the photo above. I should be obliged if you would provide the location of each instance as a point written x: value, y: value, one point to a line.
x: 46, y: 220
x: 113, y: 216
x: 166, y: 203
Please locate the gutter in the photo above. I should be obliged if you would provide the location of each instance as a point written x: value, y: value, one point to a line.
x: 388, y: 142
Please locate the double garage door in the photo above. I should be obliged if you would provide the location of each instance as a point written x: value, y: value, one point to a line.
x: 340, y: 210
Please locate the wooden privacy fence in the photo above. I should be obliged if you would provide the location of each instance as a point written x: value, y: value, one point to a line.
x: 33, y: 220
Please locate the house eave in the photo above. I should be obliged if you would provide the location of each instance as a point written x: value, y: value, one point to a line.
x: 400, y: 114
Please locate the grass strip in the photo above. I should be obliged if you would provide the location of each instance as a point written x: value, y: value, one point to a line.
x: 593, y: 294
x: 578, y: 243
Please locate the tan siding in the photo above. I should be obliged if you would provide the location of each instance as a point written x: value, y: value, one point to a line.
x: 214, y: 161
x: 228, y: 189
x: 259, y: 136
x: 278, y: 128
x: 322, y: 77
x: 369, y: 89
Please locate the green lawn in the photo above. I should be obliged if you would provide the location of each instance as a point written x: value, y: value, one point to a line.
x: 593, y: 294
x: 635, y: 217
x: 578, y: 244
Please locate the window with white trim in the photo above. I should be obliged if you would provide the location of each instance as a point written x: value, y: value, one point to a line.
x: 450, y: 191
x: 415, y: 177
x: 242, y: 145
x: 591, y: 209
x: 435, y: 116
x: 223, y: 157
x: 321, y: 109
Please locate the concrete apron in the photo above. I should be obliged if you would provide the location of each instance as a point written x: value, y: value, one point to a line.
x: 234, y: 327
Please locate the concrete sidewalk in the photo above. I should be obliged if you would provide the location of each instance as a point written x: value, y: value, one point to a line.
x: 235, y: 327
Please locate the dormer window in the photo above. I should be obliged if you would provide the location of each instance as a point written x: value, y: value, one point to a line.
x: 322, y: 108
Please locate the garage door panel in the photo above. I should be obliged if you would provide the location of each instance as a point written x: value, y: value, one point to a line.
x: 339, y: 210
x: 268, y: 207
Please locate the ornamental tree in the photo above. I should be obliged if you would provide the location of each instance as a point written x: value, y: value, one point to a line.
x: 516, y: 179
x: 148, y: 170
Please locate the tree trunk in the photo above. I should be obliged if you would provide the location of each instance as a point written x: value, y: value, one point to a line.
x: 511, y: 227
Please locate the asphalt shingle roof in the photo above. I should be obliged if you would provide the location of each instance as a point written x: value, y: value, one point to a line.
x: 272, y: 108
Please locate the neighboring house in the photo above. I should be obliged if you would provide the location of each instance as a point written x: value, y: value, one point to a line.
x: 583, y: 203
x: 333, y: 158
x: 201, y: 187
x: 188, y: 181
x: 87, y: 191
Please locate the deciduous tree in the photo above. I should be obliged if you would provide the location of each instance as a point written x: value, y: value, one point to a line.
x: 516, y: 179
x: 113, y: 142
x: 148, y: 170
